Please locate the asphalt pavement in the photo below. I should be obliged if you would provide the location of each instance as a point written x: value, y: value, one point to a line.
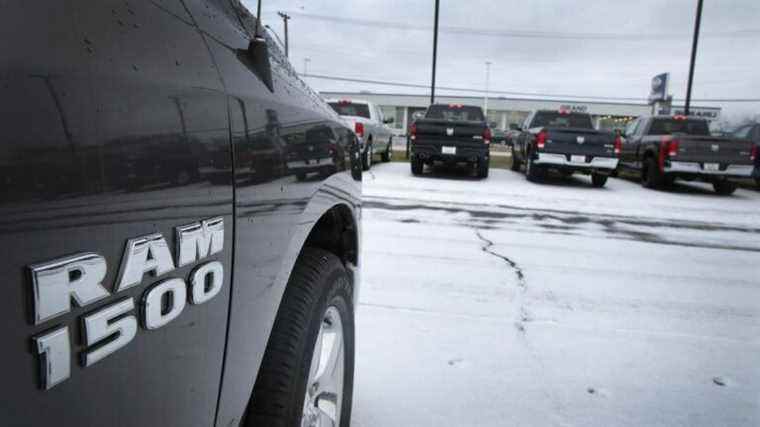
x: 501, y: 302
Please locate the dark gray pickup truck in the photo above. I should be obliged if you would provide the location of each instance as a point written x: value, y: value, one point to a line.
x: 451, y: 133
x: 164, y: 261
x: 566, y: 142
x: 663, y: 148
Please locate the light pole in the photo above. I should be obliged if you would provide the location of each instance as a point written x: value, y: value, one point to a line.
x: 435, y: 52
x: 693, y: 56
x: 306, y: 66
x: 285, y: 18
x: 488, y: 83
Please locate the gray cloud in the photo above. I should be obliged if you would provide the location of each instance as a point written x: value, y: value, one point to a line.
x: 531, y: 45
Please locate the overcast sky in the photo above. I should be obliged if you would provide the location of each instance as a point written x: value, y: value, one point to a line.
x: 590, y: 47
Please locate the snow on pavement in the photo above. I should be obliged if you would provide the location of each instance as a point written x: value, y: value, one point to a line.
x: 502, y: 302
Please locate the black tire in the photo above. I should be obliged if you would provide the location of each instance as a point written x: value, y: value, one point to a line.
x: 651, y: 176
x: 725, y: 188
x: 367, y: 158
x: 598, y: 180
x: 566, y: 173
x: 417, y: 165
x: 532, y: 172
x: 483, y: 168
x: 515, y: 161
x: 318, y: 281
x: 388, y: 154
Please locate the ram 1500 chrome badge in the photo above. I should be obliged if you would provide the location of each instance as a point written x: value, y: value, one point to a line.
x: 79, y: 278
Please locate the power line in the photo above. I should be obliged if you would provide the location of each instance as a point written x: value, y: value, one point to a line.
x: 524, y: 34
x: 512, y: 93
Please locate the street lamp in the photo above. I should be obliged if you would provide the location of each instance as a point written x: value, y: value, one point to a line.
x: 488, y: 82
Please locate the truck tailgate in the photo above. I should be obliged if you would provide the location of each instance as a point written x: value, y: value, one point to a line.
x: 579, y: 141
x: 709, y: 149
x: 447, y: 133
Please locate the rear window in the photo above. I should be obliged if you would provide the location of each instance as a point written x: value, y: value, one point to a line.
x: 351, y: 109
x: 563, y: 120
x: 459, y: 113
x: 671, y: 126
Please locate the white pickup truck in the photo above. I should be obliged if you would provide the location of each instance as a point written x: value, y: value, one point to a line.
x: 367, y: 120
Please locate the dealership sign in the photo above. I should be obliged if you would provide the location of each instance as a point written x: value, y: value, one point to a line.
x: 573, y: 108
x: 659, y: 91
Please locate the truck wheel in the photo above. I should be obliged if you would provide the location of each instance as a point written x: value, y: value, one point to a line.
x: 417, y: 165
x: 724, y: 188
x: 651, y: 176
x: 515, y: 161
x: 367, y: 158
x: 532, y: 172
x: 388, y: 155
x: 598, y: 180
x: 483, y: 168
x: 307, y: 373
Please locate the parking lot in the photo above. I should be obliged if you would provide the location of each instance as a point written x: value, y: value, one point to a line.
x: 501, y: 302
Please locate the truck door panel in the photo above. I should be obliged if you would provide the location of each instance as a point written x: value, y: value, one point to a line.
x: 110, y: 114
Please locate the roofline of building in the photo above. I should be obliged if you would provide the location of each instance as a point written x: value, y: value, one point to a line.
x: 501, y: 98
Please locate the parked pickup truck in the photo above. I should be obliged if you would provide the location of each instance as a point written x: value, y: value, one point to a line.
x: 367, y: 120
x: 567, y: 142
x: 751, y: 132
x: 162, y: 263
x: 451, y: 133
x: 663, y: 148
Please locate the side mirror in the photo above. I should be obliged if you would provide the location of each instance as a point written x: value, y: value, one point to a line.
x: 256, y: 59
x: 389, y: 120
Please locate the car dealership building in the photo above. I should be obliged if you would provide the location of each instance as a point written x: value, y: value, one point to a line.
x: 505, y: 111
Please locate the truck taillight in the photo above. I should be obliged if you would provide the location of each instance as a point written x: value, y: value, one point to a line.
x: 541, y: 139
x: 618, y: 145
x: 673, y: 146
x: 413, y: 132
x: 753, y: 155
x: 487, y: 136
x: 668, y: 148
x: 359, y: 129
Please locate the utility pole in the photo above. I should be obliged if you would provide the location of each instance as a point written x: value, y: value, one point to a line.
x: 285, y: 18
x: 693, y: 57
x: 435, y: 52
x: 306, y: 66
x: 488, y: 83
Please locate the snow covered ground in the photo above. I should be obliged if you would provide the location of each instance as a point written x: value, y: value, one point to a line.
x: 507, y: 303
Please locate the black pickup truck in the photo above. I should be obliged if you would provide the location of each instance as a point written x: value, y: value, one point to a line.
x: 451, y: 133
x: 751, y: 132
x: 663, y: 148
x: 567, y: 142
x: 162, y: 263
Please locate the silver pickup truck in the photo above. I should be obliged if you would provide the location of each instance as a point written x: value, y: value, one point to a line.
x: 370, y: 125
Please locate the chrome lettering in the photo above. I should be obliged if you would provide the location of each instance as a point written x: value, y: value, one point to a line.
x: 206, y: 282
x: 56, y: 282
x: 147, y: 254
x: 199, y: 240
x: 54, y: 353
x: 110, y: 322
x: 154, y: 314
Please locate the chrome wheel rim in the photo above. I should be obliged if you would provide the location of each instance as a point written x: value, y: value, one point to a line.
x: 324, y: 388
